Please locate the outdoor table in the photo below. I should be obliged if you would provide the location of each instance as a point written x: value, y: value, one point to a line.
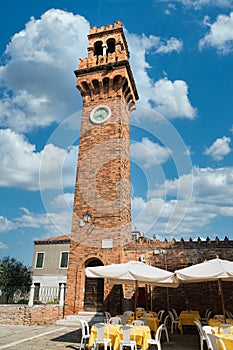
x: 142, y: 313
x: 227, y: 338
x: 142, y: 334
x: 213, y: 322
x: 151, y: 322
x: 111, y: 332
x: 187, y: 318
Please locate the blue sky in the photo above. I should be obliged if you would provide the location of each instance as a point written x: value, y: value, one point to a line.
x: 181, y: 133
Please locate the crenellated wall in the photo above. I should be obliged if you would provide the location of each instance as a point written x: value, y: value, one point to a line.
x: 170, y: 255
x: 174, y: 255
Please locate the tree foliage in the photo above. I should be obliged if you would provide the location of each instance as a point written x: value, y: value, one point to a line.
x: 15, y: 279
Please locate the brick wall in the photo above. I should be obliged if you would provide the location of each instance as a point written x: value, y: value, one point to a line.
x: 24, y: 315
x: 179, y: 254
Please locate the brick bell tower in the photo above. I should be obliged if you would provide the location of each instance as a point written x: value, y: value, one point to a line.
x: 102, y: 214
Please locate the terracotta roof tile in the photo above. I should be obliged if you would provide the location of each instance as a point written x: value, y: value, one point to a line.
x: 53, y: 240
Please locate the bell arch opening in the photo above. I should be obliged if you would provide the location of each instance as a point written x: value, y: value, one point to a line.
x: 111, y: 45
x: 98, y: 48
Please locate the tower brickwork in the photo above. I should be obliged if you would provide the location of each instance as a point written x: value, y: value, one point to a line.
x: 102, y: 188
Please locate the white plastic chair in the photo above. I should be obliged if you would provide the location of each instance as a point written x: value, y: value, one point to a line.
x: 208, y: 330
x: 202, y: 335
x: 148, y: 314
x: 123, y: 319
x: 226, y: 328
x: 140, y: 308
x: 107, y: 316
x: 85, y: 334
x: 174, y: 323
x: 101, y: 339
x: 204, y: 320
x: 144, y: 320
x: 157, y: 339
x: 219, y: 318
x: 206, y: 312
x: 127, y: 330
x: 138, y: 322
x: 209, y: 315
x: 129, y: 313
x: 160, y: 314
x: 165, y: 327
x: 214, y: 340
x: 174, y: 313
x: 115, y: 320
x: 229, y: 314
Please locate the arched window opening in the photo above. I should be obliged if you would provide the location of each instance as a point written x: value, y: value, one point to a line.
x: 111, y: 44
x: 129, y: 98
x: 106, y: 85
x: 96, y: 86
x: 98, y: 49
x: 127, y: 92
x: 85, y: 87
x: 116, y: 82
x: 125, y: 86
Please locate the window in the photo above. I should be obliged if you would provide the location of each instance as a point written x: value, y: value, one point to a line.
x: 98, y: 49
x: 111, y: 45
x: 40, y: 261
x: 64, y: 260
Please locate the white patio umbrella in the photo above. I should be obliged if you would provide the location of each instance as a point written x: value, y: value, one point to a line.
x: 211, y: 270
x: 133, y: 272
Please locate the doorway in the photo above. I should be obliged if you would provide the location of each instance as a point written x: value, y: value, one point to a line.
x: 94, y: 289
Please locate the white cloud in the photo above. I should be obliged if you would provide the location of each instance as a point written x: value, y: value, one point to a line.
x: 219, y: 149
x: 51, y: 224
x: 171, y: 7
x: 62, y: 200
x: 197, y: 4
x: 3, y: 246
x: 149, y: 153
x: 164, y: 96
x: 23, y: 167
x: 6, y: 225
x: 172, y: 99
x: 171, y: 45
x: 211, y: 198
x: 38, y: 80
x: 38, y: 74
x: 220, y: 35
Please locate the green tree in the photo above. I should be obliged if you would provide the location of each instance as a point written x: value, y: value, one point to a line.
x: 15, y: 280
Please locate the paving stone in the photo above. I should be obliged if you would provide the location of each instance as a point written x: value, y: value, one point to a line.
x: 57, y: 337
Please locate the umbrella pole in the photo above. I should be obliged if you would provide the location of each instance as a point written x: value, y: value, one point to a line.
x: 146, y: 296
x: 135, y: 298
x: 222, y: 299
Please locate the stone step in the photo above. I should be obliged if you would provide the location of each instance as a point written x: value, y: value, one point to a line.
x: 73, y: 320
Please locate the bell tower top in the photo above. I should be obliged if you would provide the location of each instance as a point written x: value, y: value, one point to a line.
x: 108, y: 55
x: 107, y: 44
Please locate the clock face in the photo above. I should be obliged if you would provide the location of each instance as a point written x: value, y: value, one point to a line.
x: 100, y: 114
